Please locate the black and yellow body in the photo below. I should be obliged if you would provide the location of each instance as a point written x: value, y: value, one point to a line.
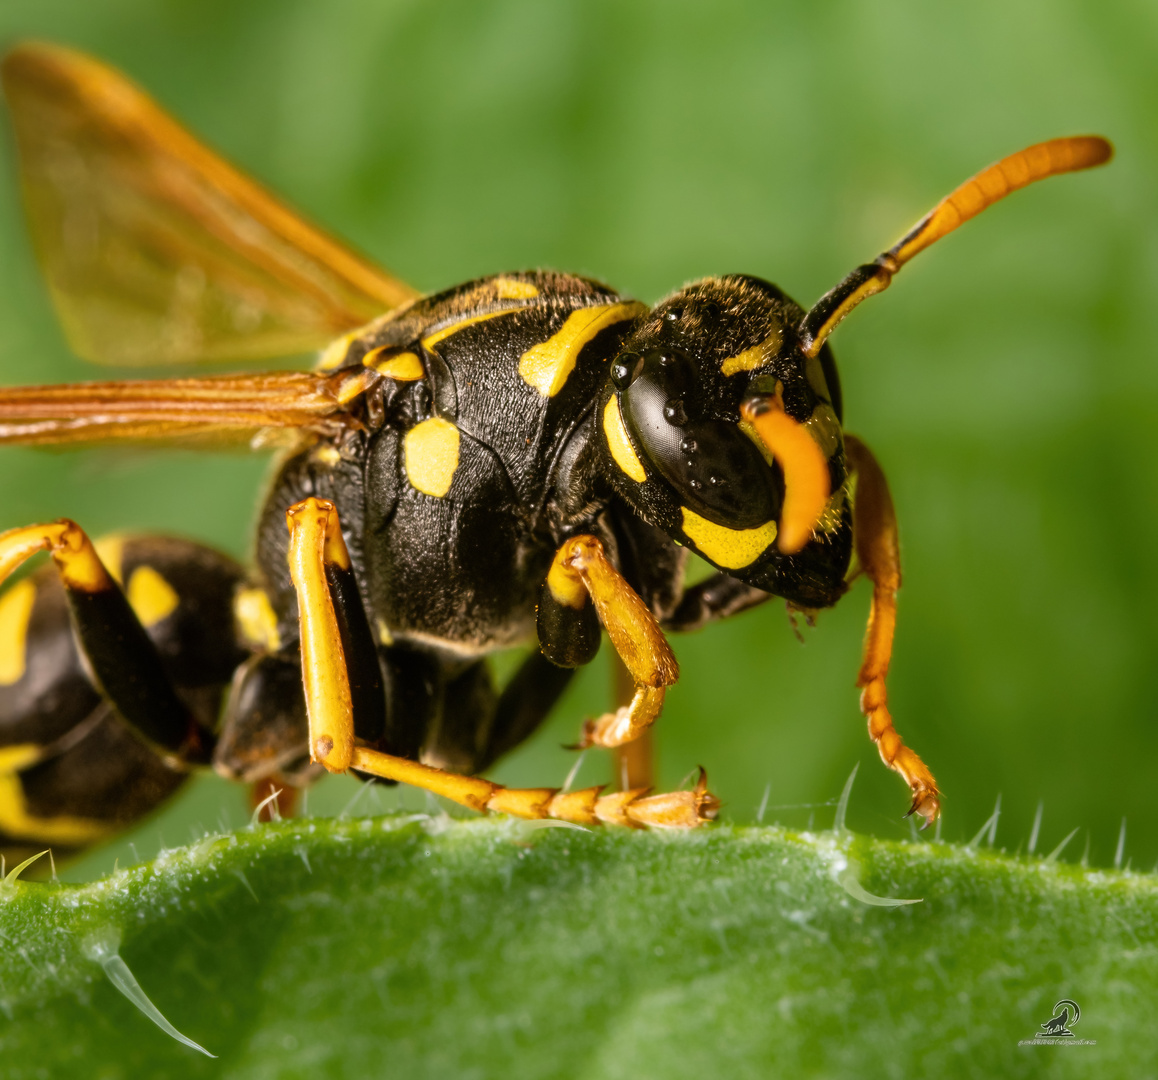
x: 483, y: 448
x: 72, y: 771
x: 524, y: 459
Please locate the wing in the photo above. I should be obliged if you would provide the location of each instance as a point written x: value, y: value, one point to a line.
x: 217, y: 408
x: 157, y: 250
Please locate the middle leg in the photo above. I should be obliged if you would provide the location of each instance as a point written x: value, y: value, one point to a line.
x: 315, y: 546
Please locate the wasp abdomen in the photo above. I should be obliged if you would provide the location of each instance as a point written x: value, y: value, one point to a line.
x: 71, y: 770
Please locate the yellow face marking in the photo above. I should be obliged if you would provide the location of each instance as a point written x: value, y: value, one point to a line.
x: 547, y: 365
x: 513, y: 289
x: 755, y: 357
x: 618, y: 443
x: 430, y: 454
x: 441, y: 335
x: 401, y: 367
x: 729, y: 548
x: 335, y: 353
x: 256, y: 620
x: 15, y: 611
x: 111, y: 550
x: 151, y: 596
x: 384, y: 635
x: 16, y: 822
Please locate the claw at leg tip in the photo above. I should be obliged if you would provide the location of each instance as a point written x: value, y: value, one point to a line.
x: 928, y: 805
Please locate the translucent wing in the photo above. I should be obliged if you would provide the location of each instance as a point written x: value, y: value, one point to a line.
x: 215, y: 408
x: 157, y: 250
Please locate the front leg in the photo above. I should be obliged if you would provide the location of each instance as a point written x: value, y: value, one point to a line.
x: 582, y: 573
x: 877, y: 549
x: 718, y: 597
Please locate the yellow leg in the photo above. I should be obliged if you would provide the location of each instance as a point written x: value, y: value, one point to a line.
x: 580, y: 566
x: 77, y: 561
x: 315, y: 541
x: 875, y: 531
x: 634, y: 761
x: 121, y: 660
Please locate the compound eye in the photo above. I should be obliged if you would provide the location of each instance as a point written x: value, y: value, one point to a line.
x: 716, y: 470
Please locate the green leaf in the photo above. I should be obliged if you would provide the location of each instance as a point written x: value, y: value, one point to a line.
x: 415, y: 946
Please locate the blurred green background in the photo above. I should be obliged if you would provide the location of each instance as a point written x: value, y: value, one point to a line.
x: 1008, y: 382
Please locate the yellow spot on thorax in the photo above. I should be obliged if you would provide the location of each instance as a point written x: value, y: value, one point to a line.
x: 430, y: 454
x: 513, y: 289
x: 618, y: 443
x: 16, y: 822
x: 256, y: 621
x: 384, y: 635
x: 15, y: 611
x: 548, y: 365
x: 335, y: 353
x: 151, y: 596
x: 401, y: 367
x: 729, y: 548
x: 431, y: 340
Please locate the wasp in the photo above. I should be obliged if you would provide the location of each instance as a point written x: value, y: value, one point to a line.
x: 528, y: 457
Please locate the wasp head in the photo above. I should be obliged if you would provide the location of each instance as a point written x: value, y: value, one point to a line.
x: 720, y: 430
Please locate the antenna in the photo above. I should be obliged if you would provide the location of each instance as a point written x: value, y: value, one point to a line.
x: 976, y: 194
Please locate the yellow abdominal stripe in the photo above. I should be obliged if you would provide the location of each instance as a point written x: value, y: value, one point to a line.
x: 548, y: 365
x: 729, y: 548
x: 17, y: 823
x: 150, y: 596
x: 15, y: 612
x: 256, y: 619
x: 111, y: 551
x: 430, y: 455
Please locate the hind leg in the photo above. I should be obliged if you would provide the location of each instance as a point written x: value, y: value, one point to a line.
x: 72, y: 771
x: 122, y: 658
